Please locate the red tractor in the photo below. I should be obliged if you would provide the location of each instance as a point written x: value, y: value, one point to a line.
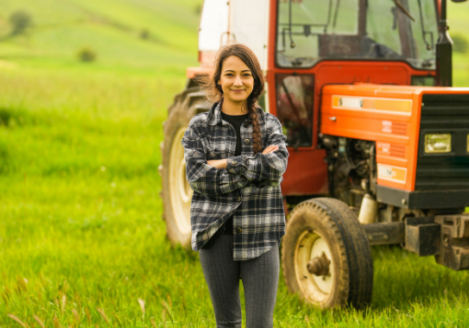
x: 378, y: 138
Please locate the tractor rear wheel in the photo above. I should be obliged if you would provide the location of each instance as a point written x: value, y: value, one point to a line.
x: 326, y: 257
x: 176, y: 191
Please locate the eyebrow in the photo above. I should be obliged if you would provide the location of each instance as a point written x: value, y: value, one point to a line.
x: 230, y: 70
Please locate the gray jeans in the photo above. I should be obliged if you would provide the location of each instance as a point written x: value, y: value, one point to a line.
x: 260, y: 280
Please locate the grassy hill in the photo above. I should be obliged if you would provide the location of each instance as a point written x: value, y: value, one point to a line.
x: 111, y: 28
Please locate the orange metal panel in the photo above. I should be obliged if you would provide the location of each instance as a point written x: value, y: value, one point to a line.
x: 389, y: 115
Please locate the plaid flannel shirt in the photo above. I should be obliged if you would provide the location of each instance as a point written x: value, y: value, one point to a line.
x: 249, y: 186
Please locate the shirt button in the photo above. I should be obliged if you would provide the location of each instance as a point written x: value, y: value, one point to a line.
x: 239, y: 230
x: 247, y: 141
x: 238, y: 199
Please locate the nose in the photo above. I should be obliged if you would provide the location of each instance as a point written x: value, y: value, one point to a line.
x: 238, y: 80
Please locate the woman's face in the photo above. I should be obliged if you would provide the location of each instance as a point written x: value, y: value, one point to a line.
x: 236, y: 80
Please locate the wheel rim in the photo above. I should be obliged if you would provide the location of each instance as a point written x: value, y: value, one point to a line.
x: 179, y: 189
x: 316, y: 289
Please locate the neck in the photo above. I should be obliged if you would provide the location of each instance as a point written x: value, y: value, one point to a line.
x: 234, y: 108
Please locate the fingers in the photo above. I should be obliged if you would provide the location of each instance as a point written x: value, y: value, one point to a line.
x: 270, y: 149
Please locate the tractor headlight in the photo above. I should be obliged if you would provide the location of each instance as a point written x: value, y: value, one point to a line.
x: 438, y: 143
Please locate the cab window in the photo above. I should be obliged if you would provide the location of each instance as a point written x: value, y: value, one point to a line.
x: 295, y: 107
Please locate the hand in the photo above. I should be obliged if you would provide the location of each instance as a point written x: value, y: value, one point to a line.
x: 217, y: 163
x: 270, y: 149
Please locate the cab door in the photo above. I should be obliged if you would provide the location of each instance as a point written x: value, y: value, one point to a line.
x: 291, y: 99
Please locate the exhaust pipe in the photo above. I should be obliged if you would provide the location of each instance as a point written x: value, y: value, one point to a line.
x: 368, y: 210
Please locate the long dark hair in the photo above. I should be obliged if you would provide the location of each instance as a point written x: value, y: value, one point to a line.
x: 215, y: 92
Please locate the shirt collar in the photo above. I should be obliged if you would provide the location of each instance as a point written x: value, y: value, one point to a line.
x: 214, y: 116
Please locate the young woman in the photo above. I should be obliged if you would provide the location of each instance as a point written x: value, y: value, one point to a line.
x: 235, y: 157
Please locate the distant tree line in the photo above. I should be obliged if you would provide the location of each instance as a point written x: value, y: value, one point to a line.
x: 20, y: 21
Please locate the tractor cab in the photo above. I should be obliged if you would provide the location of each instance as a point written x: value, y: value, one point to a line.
x: 319, y: 43
x: 311, y: 31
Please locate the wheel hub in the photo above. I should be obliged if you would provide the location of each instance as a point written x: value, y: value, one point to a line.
x: 319, y: 265
x: 314, y: 267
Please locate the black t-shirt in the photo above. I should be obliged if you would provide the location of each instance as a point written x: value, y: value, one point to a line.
x: 235, y: 121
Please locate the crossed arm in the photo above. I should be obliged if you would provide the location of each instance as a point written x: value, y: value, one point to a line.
x: 204, y: 178
x: 221, y: 163
x: 216, y: 177
x: 266, y: 167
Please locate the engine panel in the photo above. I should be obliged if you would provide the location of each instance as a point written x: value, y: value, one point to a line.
x: 390, y: 116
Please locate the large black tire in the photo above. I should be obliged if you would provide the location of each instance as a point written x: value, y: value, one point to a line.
x: 176, y: 191
x: 327, y: 226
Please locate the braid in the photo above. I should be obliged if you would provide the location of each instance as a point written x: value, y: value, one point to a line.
x: 256, y: 129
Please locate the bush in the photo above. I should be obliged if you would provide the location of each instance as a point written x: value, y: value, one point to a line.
x: 86, y: 54
x: 144, y: 34
x: 460, y: 43
x: 20, y: 21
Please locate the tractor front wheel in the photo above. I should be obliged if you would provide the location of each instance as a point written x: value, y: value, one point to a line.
x: 177, y: 193
x: 326, y: 257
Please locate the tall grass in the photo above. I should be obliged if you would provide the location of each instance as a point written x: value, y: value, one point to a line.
x: 82, y: 242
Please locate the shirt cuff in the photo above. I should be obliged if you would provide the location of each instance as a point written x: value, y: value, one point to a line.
x: 240, y: 182
x: 235, y: 165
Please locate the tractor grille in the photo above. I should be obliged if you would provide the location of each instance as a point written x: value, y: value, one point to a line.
x: 448, y: 171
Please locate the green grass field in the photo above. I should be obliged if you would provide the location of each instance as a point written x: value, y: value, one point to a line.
x: 82, y: 242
